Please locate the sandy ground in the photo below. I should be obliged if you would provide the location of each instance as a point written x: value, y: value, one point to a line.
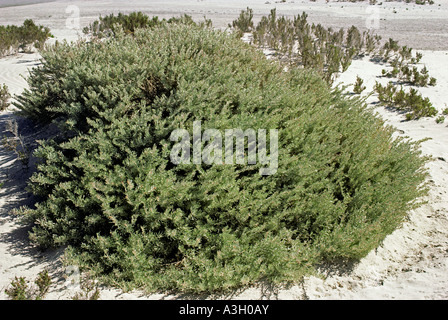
x: 412, y: 262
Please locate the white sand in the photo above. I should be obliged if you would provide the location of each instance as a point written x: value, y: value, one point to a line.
x: 412, y: 263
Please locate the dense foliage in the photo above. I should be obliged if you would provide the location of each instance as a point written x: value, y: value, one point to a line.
x: 108, y: 190
x: 13, y: 38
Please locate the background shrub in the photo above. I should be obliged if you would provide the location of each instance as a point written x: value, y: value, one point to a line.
x: 244, y: 22
x: 410, y: 102
x: 302, y: 44
x: 298, y: 43
x: 109, y: 25
x: 13, y: 38
x: 109, y: 191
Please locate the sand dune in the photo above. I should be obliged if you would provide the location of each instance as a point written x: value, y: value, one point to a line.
x: 13, y: 70
x: 412, y: 263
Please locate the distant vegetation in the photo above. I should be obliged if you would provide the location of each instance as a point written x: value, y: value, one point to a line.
x: 404, y: 70
x: 358, y: 87
x: 15, y: 38
x: 21, y: 289
x: 107, y: 26
x: 308, y: 45
x: 410, y: 102
x: 301, y: 44
x: 108, y: 190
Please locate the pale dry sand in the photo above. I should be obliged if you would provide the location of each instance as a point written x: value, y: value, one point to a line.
x: 412, y: 262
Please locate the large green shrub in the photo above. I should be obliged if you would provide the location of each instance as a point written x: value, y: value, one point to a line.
x: 109, y: 191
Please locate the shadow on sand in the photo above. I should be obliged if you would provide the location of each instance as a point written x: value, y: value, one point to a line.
x: 14, y: 176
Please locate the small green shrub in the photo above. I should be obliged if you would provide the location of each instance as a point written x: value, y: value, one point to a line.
x: 244, y: 22
x: 419, y: 56
x: 4, y: 97
x: 128, y: 23
x: 411, y: 102
x: 358, y: 87
x: 109, y: 191
x: 432, y: 81
x: 409, y: 75
x: 43, y: 282
x: 440, y: 119
x: 401, y: 60
x: 389, y: 47
x: 19, y: 288
x: 89, y: 290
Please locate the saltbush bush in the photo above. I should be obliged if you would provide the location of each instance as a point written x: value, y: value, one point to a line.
x: 109, y: 191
